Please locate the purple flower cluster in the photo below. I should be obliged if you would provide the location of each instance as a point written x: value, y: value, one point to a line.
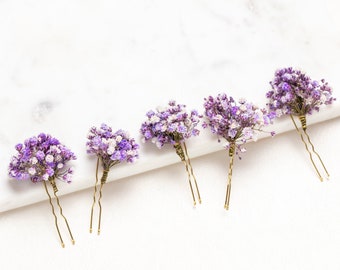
x: 111, y: 147
x: 171, y: 124
x: 40, y: 159
x: 237, y: 122
x: 293, y: 92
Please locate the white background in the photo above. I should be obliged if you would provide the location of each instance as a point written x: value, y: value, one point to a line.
x: 68, y: 65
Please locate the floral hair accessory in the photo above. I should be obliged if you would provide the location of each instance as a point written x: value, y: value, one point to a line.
x: 295, y: 94
x: 173, y: 125
x: 43, y: 159
x: 111, y: 148
x: 236, y: 122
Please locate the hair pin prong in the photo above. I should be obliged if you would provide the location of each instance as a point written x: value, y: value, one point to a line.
x: 111, y: 148
x: 182, y: 152
x: 230, y: 173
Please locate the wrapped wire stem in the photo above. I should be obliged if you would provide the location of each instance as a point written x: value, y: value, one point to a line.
x: 111, y: 148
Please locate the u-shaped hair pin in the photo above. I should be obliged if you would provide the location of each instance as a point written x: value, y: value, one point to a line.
x: 111, y: 148
x: 174, y: 125
x: 297, y: 95
x: 44, y: 159
x: 237, y: 123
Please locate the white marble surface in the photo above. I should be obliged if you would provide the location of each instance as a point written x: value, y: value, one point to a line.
x: 68, y: 65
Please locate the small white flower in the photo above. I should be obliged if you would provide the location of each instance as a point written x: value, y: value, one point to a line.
x: 58, y: 158
x: 131, y: 152
x: 49, y: 158
x: 172, y: 118
x: 234, y: 125
x: 218, y: 117
x: 112, y: 143
x: 32, y: 171
x: 154, y: 119
x: 110, y: 150
x: 164, y: 128
x: 119, y: 138
x: 60, y: 165
x: 34, y: 160
x: 54, y: 148
x: 243, y: 108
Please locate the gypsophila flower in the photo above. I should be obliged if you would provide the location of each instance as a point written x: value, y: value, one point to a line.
x: 171, y: 124
x: 111, y: 147
x: 237, y: 122
x: 35, y: 160
x: 293, y: 92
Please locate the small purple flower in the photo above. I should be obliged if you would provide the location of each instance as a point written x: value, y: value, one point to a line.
x: 35, y: 158
x: 235, y: 122
x: 293, y: 92
x: 111, y: 147
x: 172, y: 124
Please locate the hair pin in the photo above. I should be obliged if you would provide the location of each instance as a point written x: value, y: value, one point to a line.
x: 111, y: 148
x: 173, y: 125
x: 295, y: 94
x: 236, y: 122
x: 43, y: 159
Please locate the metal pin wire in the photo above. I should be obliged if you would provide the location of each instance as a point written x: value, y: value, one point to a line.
x: 53, y: 212
x: 179, y: 150
x: 94, y: 195
x: 230, y: 173
x: 189, y: 179
x: 100, y: 206
x: 192, y: 172
x: 306, y: 146
x: 316, y: 153
x: 61, y: 210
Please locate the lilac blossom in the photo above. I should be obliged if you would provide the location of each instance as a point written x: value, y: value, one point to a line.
x: 41, y: 158
x: 171, y: 124
x: 236, y: 122
x: 111, y: 147
x: 293, y: 92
